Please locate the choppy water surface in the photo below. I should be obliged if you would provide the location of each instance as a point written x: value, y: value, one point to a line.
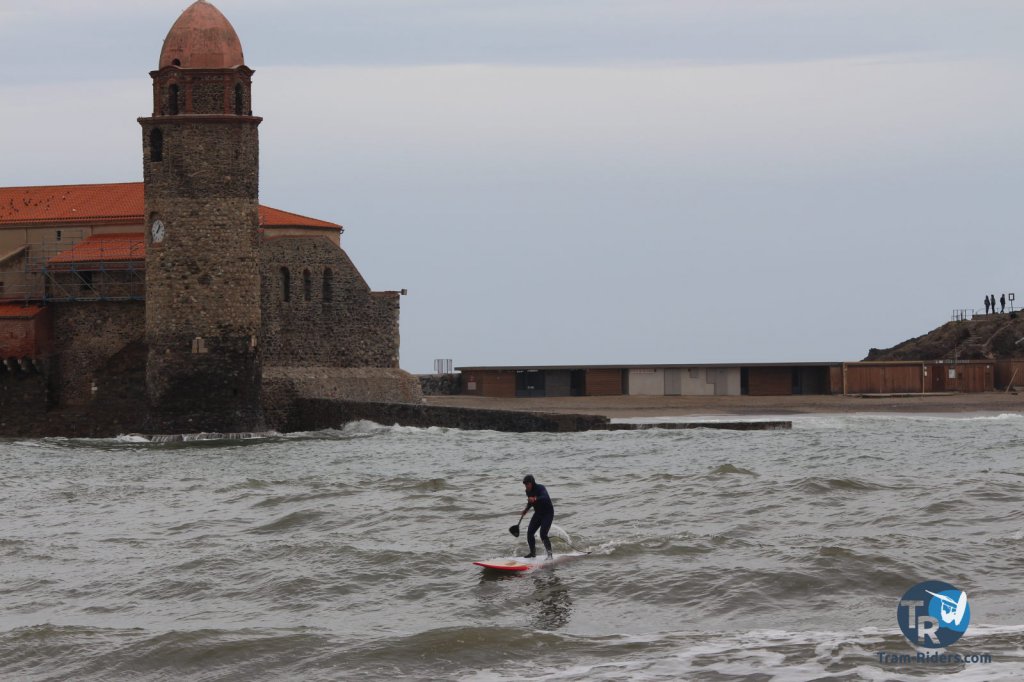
x: 716, y: 555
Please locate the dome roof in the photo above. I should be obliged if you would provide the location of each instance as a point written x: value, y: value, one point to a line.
x: 202, y: 38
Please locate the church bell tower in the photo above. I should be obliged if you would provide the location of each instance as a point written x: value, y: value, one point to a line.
x: 201, y: 171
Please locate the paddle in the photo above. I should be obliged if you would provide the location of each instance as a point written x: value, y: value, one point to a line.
x: 515, y: 529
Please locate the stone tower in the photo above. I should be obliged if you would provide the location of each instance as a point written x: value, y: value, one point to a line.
x: 201, y: 171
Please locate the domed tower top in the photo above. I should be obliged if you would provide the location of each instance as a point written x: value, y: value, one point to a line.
x: 202, y: 38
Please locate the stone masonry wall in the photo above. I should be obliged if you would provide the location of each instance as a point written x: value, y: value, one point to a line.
x: 202, y: 158
x: 86, y: 336
x: 24, y: 399
x: 342, y: 325
x: 283, y: 386
x: 441, y: 384
x: 200, y: 91
x: 203, y: 280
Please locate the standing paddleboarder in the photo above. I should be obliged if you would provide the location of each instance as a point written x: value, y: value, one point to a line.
x: 543, y: 514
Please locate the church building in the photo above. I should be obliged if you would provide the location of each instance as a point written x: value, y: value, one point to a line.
x: 180, y: 303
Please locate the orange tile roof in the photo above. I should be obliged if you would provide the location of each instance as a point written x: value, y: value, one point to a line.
x: 273, y: 217
x: 120, y: 203
x: 104, y: 248
x: 18, y: 311
x: 112, y: 204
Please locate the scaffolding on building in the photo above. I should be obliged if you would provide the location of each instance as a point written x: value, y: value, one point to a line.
x: 109, y: 268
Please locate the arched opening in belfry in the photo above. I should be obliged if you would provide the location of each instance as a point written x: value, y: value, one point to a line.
x: 328, y: 285
x: 156, y: 145
x: 239, y: 99
x: 286, y: 285
x: 172, y: 100
x: 307, y: 285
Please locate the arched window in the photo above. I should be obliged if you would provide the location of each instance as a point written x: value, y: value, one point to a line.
x: 286, y: 285
x: 328, y: 286
x: 172, y: 100
x: 307, y: 285
x: 239, y: 99
x: 176, y: 62
x: 156, y: 145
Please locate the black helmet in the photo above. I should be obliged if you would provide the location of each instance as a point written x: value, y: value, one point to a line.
x: 528, y: 478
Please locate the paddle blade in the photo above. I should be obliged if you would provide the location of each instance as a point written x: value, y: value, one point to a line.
x: 514, y: 530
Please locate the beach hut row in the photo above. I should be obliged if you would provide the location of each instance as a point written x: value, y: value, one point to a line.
x: 754, y: 379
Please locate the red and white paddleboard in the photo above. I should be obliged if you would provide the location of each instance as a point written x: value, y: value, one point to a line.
x: 524, y: 564
x: 504, y: 565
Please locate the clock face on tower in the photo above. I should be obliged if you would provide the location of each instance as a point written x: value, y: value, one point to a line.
x: 158, y: 231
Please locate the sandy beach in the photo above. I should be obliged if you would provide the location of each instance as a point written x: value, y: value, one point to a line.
x: 621, y: 407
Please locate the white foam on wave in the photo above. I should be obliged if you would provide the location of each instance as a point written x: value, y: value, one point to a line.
x: 839, y: 421
x: 62, y: 440
x: 366, y: 427
x: 428, y: 430
x: 357, y: 429
x: 539, y: 561
x: 844, y: 655
x: 642, y: 542
x: 700, y: 418
x: 935, y: 416
x: 559, y: 533
x: 363, y: 427
x: 132, y: 438
x: 997, y: 417
x: 986, y: 629
x: 601, y: 434
x: 820, y: 422
x: 163, y: 439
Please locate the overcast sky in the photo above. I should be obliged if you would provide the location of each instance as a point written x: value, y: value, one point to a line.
x: 594, y: 181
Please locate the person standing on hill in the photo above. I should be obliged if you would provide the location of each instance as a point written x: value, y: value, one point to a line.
x: 543, y: 514
x: 1002, y: 303
x: 986, y: 304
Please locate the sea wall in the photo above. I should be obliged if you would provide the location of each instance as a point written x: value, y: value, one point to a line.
x: 366, y: 384
x: 312, y: 414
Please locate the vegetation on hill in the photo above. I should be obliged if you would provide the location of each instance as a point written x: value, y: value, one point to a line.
x: 986, y: 337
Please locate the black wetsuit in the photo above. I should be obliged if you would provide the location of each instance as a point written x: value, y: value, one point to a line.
x: 543, y: 516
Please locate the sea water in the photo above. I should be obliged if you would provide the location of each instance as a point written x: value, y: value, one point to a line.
x: 716, y: 555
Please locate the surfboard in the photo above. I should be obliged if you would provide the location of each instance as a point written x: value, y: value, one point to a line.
x: 524, y: 564
x: 503, y: 565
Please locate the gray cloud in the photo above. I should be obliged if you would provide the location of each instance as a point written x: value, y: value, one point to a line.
x: 79, y: 39
x: 594, y: 181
